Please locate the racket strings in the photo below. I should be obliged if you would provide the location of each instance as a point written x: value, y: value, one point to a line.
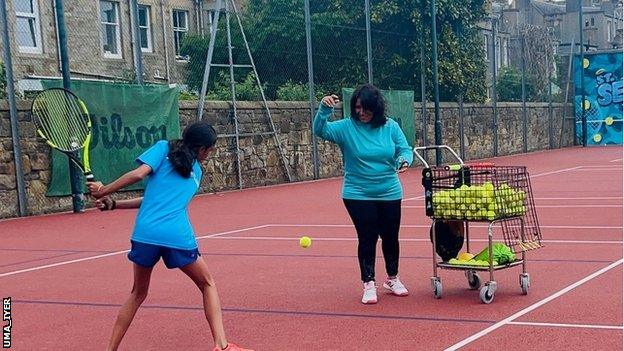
x: 61, y: 119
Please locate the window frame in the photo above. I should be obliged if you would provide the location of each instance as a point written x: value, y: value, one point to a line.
x: 177, y: 29
x: 147, y: 27
x: 35, y: 15
x: 116, y: 7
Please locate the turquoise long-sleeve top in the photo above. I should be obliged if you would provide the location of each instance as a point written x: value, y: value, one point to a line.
x: 371, y: 156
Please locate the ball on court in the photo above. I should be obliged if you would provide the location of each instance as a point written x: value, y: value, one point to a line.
x: 305, y: 242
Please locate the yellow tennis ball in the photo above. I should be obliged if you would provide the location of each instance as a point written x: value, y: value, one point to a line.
x: 597, y: 138
x: 305, y: 242
x: 585, y: 63
x: 609, y: 121
x: 586, y: 104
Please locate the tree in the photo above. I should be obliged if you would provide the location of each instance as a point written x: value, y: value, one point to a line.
x: 275, y: 30
x: 509, y: 85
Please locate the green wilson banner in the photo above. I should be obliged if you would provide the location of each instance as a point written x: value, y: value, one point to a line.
x: 127, y: 119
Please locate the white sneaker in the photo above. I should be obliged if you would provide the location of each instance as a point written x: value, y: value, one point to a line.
x: 395, y: 286
x: 370, y: 293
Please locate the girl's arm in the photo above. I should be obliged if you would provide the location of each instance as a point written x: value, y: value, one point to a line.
x: 107, y: 204
x: 98, y: 190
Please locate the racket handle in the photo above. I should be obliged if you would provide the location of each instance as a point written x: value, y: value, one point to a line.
x: 89, y: 177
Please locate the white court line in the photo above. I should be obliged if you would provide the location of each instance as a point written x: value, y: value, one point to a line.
x: 554, y: 172
x: 600, y: 170
x: 414, y: 198
x: 579, y: 198
x: 531, y: 176
x: 548, y: 206
x: 285, y: 238
x: 589, y: 326
x: 429, y: 226
x: 532, y: 307
x: 548, y: 198
x: 114, y: 253
x: 603, y: 166
x: 616, y: 160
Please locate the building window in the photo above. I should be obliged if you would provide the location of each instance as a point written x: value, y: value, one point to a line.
x: 592, y: 22
x: 505, y: 52
x: 110, y: 32
x: 609, y: 31
x: 209, y: 19
x: 145, y: 28
x: 499, y: 52
x: 180, y: 28
x: 486, y: 49
x: 28, y: 32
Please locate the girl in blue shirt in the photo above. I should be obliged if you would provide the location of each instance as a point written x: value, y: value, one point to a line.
x: 374, y: 150
x: 162, y: 227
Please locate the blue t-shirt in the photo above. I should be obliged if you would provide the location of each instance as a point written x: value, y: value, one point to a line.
x: 163, y: 218
x: 371, y: 156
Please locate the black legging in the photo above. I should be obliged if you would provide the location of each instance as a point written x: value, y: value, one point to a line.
x: 373, y: 219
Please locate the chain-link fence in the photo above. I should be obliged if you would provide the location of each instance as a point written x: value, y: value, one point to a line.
x: 505, y: 81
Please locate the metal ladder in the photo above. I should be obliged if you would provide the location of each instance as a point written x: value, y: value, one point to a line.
x: 200, y: 109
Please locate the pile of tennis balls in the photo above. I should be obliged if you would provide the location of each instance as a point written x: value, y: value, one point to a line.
x: 479, y: 202
x: 468, y: 259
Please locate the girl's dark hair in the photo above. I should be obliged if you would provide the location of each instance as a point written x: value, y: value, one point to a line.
x: 371, y: 100
x: 183, y: 152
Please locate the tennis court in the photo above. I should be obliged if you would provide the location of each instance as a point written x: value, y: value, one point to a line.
x: 68, y: 274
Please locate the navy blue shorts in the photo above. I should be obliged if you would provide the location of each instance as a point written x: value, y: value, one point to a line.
x: 147, y: 255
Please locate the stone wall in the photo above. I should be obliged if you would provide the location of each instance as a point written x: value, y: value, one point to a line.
x: 260, y: 160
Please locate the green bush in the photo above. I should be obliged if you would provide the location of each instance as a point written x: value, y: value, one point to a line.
x: 292, y: 92
x: 509, y: 85
x: 247, y: 90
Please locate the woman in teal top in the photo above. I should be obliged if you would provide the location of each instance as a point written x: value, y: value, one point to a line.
x: 374, y: 151
x: 162, y: 228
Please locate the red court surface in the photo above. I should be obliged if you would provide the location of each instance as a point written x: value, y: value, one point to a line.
x: 68, y: 274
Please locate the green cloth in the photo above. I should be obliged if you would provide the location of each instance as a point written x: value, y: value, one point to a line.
x: 399, y: 107
x: 127, y: 120
x: 500, y: 252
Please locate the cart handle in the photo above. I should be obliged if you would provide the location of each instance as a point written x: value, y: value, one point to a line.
x: 434, y: 147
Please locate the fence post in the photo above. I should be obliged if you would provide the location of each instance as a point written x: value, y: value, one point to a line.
x: 369, y: 51
x: 494, y: 93
x: 22, y: 205
x: 524, y: 115
x: 436, y: 89
x: 311, y: 94
x: 74, y: 172
x: 462, y: 146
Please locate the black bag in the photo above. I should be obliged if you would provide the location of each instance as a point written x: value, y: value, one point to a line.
x: 449, y: 238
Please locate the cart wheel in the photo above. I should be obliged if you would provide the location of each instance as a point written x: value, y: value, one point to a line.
x: 525, y: 282
x: 437, y: 288
x: 487, y: 293
x: 474, y: 282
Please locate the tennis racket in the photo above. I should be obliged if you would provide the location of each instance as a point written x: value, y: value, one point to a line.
x: 63, y: 121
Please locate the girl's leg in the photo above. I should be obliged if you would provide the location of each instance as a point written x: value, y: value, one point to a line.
x: 128, y: 310
x: 198, y: 272
x: 364, y: 216
x: 390, y: 219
